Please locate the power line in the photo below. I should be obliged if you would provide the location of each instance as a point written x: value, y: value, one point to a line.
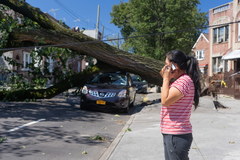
x: 70, y: 12
x: 115, y: 39
x: 76, y: 17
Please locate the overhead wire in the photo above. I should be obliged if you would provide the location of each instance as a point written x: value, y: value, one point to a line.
x: 75, y: 16
x: 70, y: 12
x: 115, y: 39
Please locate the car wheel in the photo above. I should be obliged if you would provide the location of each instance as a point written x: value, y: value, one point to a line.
x: 158, y: 89
x: 82, y: 106
x: 145, y: 91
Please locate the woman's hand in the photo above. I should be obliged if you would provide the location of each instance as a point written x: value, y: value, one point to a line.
x: 166, y: 72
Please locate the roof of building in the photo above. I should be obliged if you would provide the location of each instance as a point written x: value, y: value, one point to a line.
x: 204, y: 35
x: 221, y: 5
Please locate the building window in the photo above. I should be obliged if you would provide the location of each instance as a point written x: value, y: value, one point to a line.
x: 226, y: 66
x: 217, y: 64
x: 200, y: 55
x: 220, y: 34
x: 221, y: 8
x: 202, y: 70
x: 26, y: 60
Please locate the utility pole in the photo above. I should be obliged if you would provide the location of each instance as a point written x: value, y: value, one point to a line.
x: 98, y: 19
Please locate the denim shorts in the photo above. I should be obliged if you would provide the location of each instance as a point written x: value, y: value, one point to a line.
x: 176, y: 147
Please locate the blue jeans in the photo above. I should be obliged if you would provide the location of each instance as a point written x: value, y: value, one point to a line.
x: 176, y: 147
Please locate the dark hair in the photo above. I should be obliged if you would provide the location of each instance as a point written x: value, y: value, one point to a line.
x: 190, y: 65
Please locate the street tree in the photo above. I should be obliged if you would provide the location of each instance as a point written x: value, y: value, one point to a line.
x: 165, y: 24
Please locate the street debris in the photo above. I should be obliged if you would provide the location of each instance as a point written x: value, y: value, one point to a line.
x: 84, y: 152
x: 128, y: 130
x: 98, y: 138
x: 3, y: 139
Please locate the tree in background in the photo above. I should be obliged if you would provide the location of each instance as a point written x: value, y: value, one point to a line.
x: 38, y: 74
x: 169, y: 24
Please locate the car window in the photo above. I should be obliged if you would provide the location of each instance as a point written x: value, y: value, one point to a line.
x: 110, y: 78
x: 136, y: 78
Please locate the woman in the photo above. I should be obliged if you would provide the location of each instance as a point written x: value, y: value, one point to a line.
x: 177, y: 100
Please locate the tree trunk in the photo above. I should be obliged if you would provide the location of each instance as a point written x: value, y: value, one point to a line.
x: 56, y: 34
x: 52, y: 33
x: 146, y: 67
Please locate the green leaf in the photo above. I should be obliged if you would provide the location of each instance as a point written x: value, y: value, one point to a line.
x: 169, y: 24
x: 3, y: 139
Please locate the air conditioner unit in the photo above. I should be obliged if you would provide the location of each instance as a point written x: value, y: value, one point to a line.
x: 220, y: 40
x: 218, y: 70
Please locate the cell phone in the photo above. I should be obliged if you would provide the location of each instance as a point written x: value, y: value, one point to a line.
x: 173, y: 67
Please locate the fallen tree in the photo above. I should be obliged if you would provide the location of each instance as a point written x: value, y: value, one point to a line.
x: 53, y: 33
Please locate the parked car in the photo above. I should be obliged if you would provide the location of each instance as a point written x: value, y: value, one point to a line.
x: 140, y: 84
x: 113, y: 90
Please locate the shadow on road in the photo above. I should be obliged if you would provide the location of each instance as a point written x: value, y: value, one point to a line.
x: 57, y: 110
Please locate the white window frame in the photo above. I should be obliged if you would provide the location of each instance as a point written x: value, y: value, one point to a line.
x: 27, y: 59
x: 218, y: 66
x: 222, y: 34
x: 221, y: 8
x: 200, y: 54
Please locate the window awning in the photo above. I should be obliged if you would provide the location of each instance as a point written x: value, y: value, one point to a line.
x: 202, y: 65
x: 232, y: 55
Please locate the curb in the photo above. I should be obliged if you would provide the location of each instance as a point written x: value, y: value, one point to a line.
x: 108, y: 152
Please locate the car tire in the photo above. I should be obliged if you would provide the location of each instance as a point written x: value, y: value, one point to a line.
x: 82, y: 107
x: 145, y: 91
x: 158, y: 89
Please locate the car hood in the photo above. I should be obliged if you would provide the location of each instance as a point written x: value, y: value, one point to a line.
x: 106, y: 86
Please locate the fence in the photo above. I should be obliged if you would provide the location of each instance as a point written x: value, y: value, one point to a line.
x: 227, y: 83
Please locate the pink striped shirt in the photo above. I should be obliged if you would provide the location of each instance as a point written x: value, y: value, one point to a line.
x: 175, y: 119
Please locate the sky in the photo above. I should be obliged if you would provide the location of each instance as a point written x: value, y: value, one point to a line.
x: 83, y: 13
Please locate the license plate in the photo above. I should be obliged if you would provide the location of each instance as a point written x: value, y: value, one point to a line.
x: 101, y: 102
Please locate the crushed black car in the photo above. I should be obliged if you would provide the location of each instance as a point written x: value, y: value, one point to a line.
x: 141, y: 84
x: 111, y: 90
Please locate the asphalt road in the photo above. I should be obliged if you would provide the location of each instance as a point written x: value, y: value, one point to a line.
x: 57, y: 129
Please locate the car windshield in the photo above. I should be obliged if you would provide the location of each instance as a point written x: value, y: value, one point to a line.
x: 110, y: 78
x: 136, y: 78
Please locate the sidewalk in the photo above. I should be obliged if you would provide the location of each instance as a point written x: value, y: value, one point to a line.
x: 216, y: 133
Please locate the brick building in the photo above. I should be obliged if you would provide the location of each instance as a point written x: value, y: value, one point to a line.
x: 222, y: 52
x: 201, y: 50
x: 223, y: 47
